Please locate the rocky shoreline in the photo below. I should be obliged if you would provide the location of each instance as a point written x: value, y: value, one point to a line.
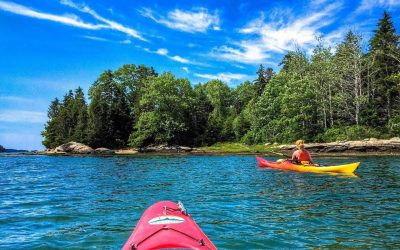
x: 76, y: 148
x: 364, y: 146
x: 369, y: 146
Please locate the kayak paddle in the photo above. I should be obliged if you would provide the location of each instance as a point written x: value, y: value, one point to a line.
x: 280, y: 154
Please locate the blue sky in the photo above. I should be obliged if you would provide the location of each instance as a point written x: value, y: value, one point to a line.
x: 50, y: 46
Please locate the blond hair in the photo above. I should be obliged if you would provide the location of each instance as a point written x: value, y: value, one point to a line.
x: 300, y: 144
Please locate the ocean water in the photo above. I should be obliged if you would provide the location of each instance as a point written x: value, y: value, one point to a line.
x: 49, y: 202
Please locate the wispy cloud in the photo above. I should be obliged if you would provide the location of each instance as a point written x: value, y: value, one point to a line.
x: 165, y: 52
x: 198, y: 20
x: 162, y: 51
x: 71, y: 19
x: 225, y: 76
x: 179, y: 59
x: 371, y: 4
x: 277, y: 35
x: 101, y: 39
x: 67, y: 19
x: 95, y: 38
x: 24, y: 116
x: 110, y: 24
x: 243, y: 52
x: 186, y: 69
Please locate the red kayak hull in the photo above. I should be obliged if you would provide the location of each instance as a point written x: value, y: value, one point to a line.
x: 164, y: 225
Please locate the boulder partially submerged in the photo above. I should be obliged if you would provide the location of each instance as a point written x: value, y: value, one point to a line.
x: 103, y: 151
x: 73, y: 148
x: 367, y: 145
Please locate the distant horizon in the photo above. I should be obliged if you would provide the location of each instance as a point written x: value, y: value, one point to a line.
x: 50, y: 47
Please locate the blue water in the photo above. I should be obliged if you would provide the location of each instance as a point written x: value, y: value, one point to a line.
x: 95, y: 202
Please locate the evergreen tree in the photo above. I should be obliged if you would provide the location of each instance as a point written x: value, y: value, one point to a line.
x: 385, y: 55
x: 53, y: 129
x: 109, y: 120
x: 263, y: 77
x: 80, y: 117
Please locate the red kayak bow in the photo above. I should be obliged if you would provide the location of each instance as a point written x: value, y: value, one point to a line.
x: 167, y: 225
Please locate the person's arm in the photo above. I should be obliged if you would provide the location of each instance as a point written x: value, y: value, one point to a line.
x: 309, y: 156
x: 294, y: 157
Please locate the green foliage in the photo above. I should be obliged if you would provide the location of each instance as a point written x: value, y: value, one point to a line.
x: 109, y: 119
x: 394, y: 126
x: 67, y: 120
x: 349, y: 133
x: 232, y: 147
x: 384, y: 56
x: 165, y: 112
x: 133, y: 78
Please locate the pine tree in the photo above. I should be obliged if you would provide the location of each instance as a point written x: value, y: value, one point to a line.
x: 52, y: 132
x: 109, y: 120
x: 385, y: 57
x: 80, y: 117
x: 261, y: 81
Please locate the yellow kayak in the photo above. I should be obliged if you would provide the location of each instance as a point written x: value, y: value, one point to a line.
x: 346, y: 168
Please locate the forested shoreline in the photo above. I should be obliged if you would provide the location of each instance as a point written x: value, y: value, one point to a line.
x: 334, y: 93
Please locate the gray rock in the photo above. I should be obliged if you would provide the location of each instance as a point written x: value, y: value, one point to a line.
x: 103, y: 151
x: 73, y: 148
x: 164, y: 149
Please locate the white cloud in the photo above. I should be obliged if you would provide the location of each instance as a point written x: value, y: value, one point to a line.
x: 162, y: 51
x: 22, y: 116
x: 126, y: 41
x: 244, y: 52
x: 100, y: 39
x: 70, y: 20
x: 371, y: 4
x: 179, y: 59
x: 95, y: 38
x: 277, y: 35
x: 198, y: 20
x: 186, y: 69
x: 110, y: 24
x: 226, y: 76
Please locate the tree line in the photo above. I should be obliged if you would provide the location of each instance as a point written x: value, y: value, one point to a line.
x: 333, y: 94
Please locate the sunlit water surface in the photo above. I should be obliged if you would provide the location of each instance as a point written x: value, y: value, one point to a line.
x: 95, y: 202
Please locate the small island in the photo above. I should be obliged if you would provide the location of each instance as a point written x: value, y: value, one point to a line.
x: 337, y: 100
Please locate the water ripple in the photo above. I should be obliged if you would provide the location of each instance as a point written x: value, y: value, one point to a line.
x: 95, y: 202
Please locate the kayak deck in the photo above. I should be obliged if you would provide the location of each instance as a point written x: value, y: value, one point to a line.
x: 166, y: 225
x: 287, y: 165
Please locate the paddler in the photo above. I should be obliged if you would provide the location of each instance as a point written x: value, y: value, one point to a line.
x: 301, y: 155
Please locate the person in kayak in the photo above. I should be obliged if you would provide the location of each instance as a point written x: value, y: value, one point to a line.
x: 301, y: 155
